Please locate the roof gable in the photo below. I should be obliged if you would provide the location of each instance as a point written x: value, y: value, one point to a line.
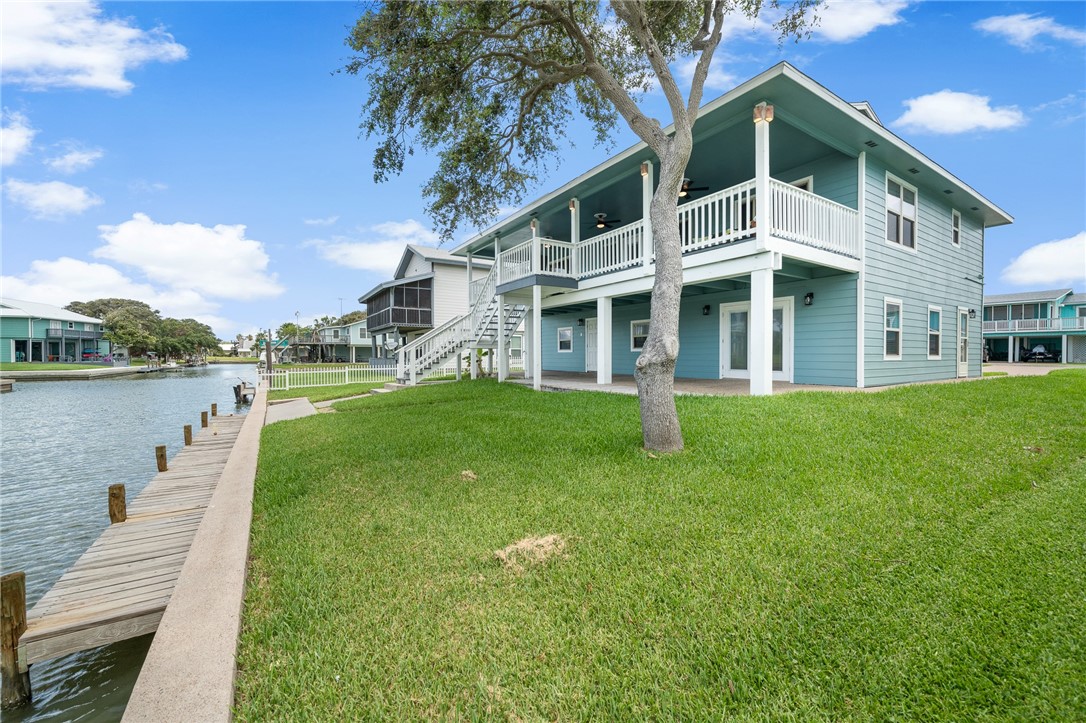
x: 37, y: 310
x: 1024, y: 296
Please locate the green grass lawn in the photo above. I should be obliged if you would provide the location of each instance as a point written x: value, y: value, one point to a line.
x: 47, y: 366
x: 321, y: 394
x: 918, y: 553
x: 232, y: 360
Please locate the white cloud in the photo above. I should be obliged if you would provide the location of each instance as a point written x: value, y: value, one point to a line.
x: 380, y: 248
x: 75, y: 159
x: 842, y: 22
x: 71, y: 44
x: 218, y: 261
x: 64, y: 280
x: 144, y: 186
x: 1050, y: 264
x: 51, y: 199
x: 1024, y: 30
x: 716, y: 79
x: 951, y: 112
x: 320, y: 221
x: 16, y: 137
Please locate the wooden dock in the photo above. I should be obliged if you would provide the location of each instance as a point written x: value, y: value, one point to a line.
x: 119, y: 588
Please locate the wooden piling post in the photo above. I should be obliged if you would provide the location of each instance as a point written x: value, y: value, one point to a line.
x: 203, y: 419
x: 16, y: 677
x: 118, y: 509
x: 160, y: 457
x: 188, y: 435
x: 214, y: 410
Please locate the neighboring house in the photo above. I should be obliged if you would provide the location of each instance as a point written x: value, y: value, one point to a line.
x: 280, y: 349
x: 344, y: 343
x: 35, y: 332
x: 817, y: 248
x: 429, y: 287
x: 1017, y: 323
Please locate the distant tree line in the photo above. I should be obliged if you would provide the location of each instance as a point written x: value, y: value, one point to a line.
x: 141, y: 329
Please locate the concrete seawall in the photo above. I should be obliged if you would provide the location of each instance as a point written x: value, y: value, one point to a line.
x: 64, y: 375
x: 189, y: 671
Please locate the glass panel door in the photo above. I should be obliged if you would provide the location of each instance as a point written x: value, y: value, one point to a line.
x: 735, y: 340
x: 963, y: 343
x: 739, y: 336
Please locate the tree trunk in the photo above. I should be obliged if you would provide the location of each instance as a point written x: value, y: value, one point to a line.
x: 655, y: 368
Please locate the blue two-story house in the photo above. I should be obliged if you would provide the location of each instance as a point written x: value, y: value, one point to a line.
x: 1016, y: 324
x: 818, y: 248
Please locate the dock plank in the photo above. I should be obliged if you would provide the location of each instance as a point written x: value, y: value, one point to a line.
x: 120, y: 586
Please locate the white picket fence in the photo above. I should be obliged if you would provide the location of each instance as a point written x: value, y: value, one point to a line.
x: 282, y: 379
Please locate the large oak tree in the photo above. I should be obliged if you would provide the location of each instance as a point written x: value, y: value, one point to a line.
x: 491, y: 86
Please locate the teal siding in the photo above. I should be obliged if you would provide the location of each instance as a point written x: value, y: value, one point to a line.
x: 563, y: 361
x: 834, y: 177
x: 938, y: 273
x: 824, y: 341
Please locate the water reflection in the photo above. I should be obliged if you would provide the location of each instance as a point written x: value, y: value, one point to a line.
x: 61, y: 445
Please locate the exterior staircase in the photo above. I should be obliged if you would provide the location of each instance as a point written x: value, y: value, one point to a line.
x: 477, y: 329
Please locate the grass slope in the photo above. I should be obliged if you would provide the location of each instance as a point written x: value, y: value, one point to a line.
x: 916, y: 553
x: 46, y: 366
x: 321, y: 394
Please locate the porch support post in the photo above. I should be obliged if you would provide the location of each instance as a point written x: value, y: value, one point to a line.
x: 498, y: 260
x: 574, y: 236
x: 1063, y: 353
x: 537, y: 261
x: 527, y: 351
x: 473, y: 362
x: 761, y: 332
x: 459, y: 365
x: 469, y: 279
x: 503, y: 358
x: 603, y: 340
x: 537, y: 336
x: 1012, y: 349
x: 648, y: 244
x: 763, y: 116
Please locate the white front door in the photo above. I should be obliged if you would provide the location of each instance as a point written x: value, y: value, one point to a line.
x: 590, y: 353
x: 735, y: 340
x: 963, y: 342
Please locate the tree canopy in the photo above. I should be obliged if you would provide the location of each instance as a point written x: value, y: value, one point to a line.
x: 136, y: 326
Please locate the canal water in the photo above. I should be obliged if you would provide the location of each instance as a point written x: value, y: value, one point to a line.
x: 61, y: 445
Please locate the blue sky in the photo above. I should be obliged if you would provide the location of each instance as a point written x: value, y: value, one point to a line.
x: 204, y: 156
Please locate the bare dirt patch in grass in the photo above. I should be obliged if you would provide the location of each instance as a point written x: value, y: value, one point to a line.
x: 530, y: 551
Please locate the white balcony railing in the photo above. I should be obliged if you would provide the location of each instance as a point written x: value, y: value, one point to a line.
x: 619, y: 248
x: 812, y: 220
x: 1011, y: 326
x: 720, y: 218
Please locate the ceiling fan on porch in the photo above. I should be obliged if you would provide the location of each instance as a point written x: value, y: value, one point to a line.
x: 686, y: 189
x: 602, y: 222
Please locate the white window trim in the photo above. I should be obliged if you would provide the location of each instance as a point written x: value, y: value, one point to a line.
x: 933, y: 357
x: 808, y: 180
x: 916, y: 221
x: 886, y: 302
x: 558, y: 339
x: 638, y: 321
x: 955, y: 216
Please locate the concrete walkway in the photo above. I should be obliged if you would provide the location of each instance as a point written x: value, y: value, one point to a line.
x: 290, y: 409
x: 1025, y: 369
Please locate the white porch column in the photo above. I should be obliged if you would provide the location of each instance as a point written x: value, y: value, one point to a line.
x: 469, y: 279
x: 648, y: 243
x: 527, y: 347
x: 603, y: 340
x: 459, y: 365
x: 537, y: 256
x: 761, y: 332
x: 1012, y: 349
x: 503, y: 357
x: 473, y: 363
x: 498, y: 260
x: 763, y: 116
x: 1063, y: 354
x: 537, y: 336
x: 575, y: 236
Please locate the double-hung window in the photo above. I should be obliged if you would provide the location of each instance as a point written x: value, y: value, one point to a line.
x: 639, y: 332
x: 935, y: 332
x: 892, y: 329
x: 565, y: 338
x: 955, y: 228
x: 900, y: 213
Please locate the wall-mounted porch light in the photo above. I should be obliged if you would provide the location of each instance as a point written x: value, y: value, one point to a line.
x: 580, y: 322
x: 972, y: 313
x: 808, y: 298
x: 705, y: 310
